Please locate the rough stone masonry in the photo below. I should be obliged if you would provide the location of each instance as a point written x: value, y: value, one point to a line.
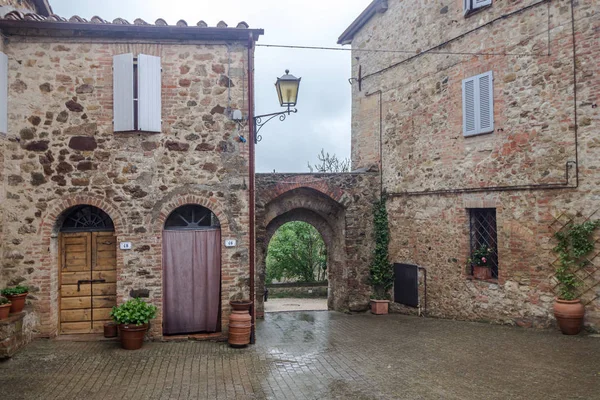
x: 61, y: 151
x: 414, y: 101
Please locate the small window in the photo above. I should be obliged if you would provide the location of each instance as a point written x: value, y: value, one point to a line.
x: 473, y: 5
x: 484, y: 235
x: 137, y: 93
x: 192, y: 217
x: 478, y: 104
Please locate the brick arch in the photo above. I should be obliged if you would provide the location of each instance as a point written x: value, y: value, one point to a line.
x: 46, y: 280
x: 228, y: 262
x: 182, y: 200
x: 48, y: 226
x: 321, y: 185
x: 307, y: 204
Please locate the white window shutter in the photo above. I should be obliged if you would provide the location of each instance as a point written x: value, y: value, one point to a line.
x: 478, y: 104
x: 3, y: 93
x: 467, y: 4
x: 123, y: 119
x: 149, y: 93
x: 469, y: 107
x: 486, y: 102
x: 481, y: 3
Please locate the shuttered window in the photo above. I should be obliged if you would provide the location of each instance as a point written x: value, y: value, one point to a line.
x: 3, y: 93
x: 472, y: 5
x: 137, y: 93
x: 478, y: 104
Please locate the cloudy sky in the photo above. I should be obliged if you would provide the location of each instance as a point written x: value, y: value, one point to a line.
x: 323, y: 120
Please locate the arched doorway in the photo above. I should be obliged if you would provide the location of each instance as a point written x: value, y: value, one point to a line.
x: 296, y: 269
x: 191, y: 271
x: 88, y: 269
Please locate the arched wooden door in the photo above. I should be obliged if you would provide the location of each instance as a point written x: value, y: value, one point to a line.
x: 191, y: 271
x: 88, y: 270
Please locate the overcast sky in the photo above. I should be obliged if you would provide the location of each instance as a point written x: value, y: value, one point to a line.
x: 323, y: 119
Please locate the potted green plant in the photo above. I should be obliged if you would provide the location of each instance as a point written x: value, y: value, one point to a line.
x: 17, y: 296
x: 133, y: 317
x: 575, y: 242
x: 480, y: 262
x: 4, y: 307
x: 381, y: 271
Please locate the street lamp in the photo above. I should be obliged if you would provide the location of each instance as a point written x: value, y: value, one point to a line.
x: 287, y: 90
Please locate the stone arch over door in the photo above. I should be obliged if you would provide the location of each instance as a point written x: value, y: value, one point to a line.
x: 326, y: 215
x: 234, y: 266
x: 46, y: 279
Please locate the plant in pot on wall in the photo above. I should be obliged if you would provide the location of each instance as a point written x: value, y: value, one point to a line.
x: 133, y: 317
x: 381, y: 271
x: 4, y: 308
x: 17, y: 296
x: 575, y: 242
x: 480, y: 262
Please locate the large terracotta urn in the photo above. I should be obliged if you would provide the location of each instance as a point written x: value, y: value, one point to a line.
x: 240, y: 323
x: 569, y: 315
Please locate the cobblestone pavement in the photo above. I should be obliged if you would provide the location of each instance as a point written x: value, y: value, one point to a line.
x: 293, y: 304
x: 320, y: 355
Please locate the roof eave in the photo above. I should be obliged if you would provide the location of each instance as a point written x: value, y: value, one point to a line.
x: 64, y: 29
x: 376, y: 7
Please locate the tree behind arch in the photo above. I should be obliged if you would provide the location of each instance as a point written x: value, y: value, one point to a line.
x: 296, y: 253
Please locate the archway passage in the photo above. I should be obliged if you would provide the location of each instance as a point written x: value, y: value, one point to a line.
x: 191, y: 271
x: 296, y: 269
x: 88, y: 270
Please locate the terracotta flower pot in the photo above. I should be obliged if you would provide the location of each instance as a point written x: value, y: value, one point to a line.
x: 4, y: 310
x: 110, y: 330
x: 569, y: 315
x: 482, y: 273
x: 380, y: 307
x: 242, y: 305
x: 240, y: 324
x: 17, y: 302
x: 132, y: 336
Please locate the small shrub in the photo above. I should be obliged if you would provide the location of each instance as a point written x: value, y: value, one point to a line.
x: 14, y: 291
x: 4, y: 300
x: 133, y: 312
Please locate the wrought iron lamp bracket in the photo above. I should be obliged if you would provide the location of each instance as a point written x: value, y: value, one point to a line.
x: 261, y: 120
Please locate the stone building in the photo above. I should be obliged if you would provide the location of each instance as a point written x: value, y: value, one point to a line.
x: 116, y: 135
x: 483, y: 118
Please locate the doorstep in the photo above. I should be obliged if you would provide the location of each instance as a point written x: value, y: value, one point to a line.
x: 219, y: 336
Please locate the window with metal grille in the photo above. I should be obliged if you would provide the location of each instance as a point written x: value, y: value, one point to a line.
x: 483, y: 232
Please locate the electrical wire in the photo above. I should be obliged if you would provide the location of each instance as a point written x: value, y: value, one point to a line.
x: 460, y: 53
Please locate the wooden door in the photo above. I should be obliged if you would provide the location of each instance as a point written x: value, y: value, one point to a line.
x: 87, y: 281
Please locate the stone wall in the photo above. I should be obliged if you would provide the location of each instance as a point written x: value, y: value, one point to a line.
x: 340, y: 207
x: 15, y: 332
x: 61, y: 151
x: 299, y: 290
x: 424, y: 148
x: 20, y: 4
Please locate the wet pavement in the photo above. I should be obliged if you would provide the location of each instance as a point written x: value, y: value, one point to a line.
x: 295, y: 304
x: 320, y: 355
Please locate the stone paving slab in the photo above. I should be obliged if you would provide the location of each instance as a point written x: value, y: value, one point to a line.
x: 294, y: 304
x: 320, y: 355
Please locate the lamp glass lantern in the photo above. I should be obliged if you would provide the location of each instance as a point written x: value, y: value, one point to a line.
x: 287, y: 89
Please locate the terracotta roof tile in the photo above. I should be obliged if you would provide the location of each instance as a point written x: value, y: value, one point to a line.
x: 19, y: 16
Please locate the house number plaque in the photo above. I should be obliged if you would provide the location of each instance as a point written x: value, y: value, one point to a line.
x: 230, y: 243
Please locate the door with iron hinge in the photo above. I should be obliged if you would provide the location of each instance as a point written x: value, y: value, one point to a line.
x: 88, y: 276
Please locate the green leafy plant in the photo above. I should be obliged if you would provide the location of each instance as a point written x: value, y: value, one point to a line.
x: 575, y: 242
x: 382, y: 272
x: 4, y: 300
x: 133, y: 312
x: 14, y: 291
x: 481, y: 257
x: 296, y: 252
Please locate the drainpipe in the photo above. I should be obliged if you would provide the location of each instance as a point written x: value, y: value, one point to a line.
x: 251, y: 173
